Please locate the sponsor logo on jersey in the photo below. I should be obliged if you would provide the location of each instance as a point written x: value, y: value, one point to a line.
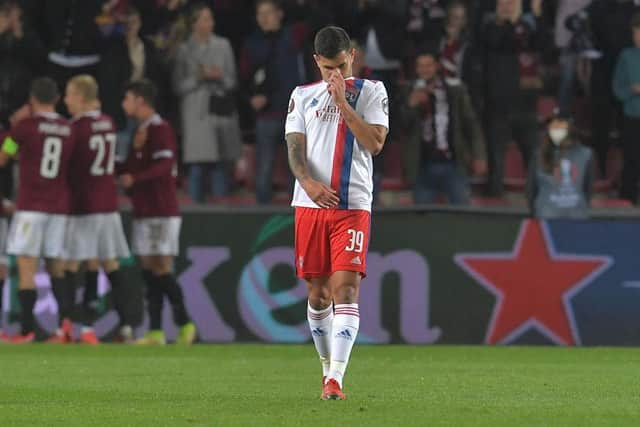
x: 329, y: 114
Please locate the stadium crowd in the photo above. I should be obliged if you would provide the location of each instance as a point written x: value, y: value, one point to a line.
x: 470, y: 83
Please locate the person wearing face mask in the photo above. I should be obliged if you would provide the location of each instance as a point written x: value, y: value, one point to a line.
x: 443, y: 136
x: 561, y: 174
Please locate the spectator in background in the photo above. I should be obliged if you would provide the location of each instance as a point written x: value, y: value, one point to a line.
x: 513, y: 41
x: 443, y: 140
x: 565, y: 41
x: 560, y: 174
x: 425, y: 23
x: 166, y: 23
x: 360, y: 68
x: 381, y: 28
x: 21, y: 56
x: 458, y: 54
x: 609, y: 21
x: 129, y: 58
x: 205, y: 80
x: 71, y: 36
x: 271, y: 67
x: 382, y: 34
x: 626, y: 86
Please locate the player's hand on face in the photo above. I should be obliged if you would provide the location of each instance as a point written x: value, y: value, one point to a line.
x: 322, y: 195
x: 126, y: 181
x: 337, y: 87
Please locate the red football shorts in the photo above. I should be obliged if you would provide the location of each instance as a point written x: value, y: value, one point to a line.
x: 330, y: 240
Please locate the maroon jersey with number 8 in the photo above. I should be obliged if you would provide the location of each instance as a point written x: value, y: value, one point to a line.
x: 45, y: 143
x: 93, y: 185
x: 153, y: 167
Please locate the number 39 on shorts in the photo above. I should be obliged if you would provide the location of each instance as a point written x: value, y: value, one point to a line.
x: 356, y: 241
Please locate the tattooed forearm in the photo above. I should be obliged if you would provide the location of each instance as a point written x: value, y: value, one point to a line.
x: 297, y: 148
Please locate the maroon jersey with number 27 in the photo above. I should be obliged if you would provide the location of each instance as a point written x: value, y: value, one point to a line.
x: 93, y: 185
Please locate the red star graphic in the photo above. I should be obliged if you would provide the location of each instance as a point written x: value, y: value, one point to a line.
x: 533, y: 286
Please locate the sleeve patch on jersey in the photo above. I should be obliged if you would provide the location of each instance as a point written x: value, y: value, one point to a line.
x: 10, y: 146
x: 385, y: 106
x: 162, y: 154
x: 292, y: 105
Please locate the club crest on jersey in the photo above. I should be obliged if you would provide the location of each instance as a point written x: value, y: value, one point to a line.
x: 351, y: 94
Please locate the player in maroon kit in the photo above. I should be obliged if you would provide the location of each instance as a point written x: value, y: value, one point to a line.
x: 44, y: 143
x: 95, y: 228
x: 150, y: 176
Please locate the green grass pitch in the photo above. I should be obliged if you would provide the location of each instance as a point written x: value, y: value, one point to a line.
x: 262, y: 385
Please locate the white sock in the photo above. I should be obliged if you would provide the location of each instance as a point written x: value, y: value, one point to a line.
x: 346, y: 322
x: 320, y: 324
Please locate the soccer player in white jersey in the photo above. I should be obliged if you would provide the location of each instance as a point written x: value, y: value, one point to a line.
x: 333, y: 129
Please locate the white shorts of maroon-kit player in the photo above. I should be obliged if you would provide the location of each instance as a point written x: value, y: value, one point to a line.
x: 156, y: 236
x: 96, y: 236
x: 37, y: 234
x: 4, y: 231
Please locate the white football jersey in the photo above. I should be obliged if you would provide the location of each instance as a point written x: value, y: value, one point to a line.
x: 334, y: 156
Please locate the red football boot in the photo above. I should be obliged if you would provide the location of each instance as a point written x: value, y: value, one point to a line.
x: 332, y: 391
x: 23, y: 339
x: 58, y: 337
x: 89, y: 337
x: 67, y: 329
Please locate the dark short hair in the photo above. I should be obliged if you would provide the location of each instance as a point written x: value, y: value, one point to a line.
x: 274, y: 3
x: 429, y: 51
x: 635, y: 21
x: 45, y: 91
x: 144, y: 89
x: 195, y: 11
x: 330, y: 41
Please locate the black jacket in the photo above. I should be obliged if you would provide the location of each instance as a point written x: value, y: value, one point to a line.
x: 389, y: 19
x: 68, y: 26
x: 20, y: 59
x: 115, y: 71
x: 503, y: 92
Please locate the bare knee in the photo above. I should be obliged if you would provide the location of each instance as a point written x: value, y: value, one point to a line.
x: 345, y: 293
x: 27, y: 267
x: 345, y: 287
x: 110, y: 266
x: 319, y: 294
x: 55, y: 268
